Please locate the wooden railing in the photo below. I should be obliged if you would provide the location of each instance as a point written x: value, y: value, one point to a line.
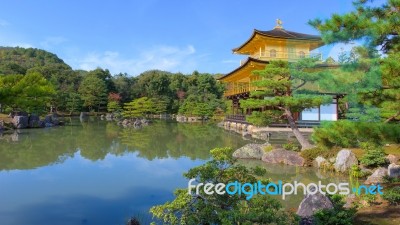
x: 266, y: 55
x: 239, y: 89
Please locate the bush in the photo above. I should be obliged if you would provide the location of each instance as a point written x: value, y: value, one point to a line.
x: 389, y: 179
x: 374, y: 156
x: 291, y: 146
x: 337, y: 215
x: 392, y: 195
x: 310, y: 154
x: 346, y: 133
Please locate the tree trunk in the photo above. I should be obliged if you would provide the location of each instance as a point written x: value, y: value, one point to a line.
x: 305, y: 144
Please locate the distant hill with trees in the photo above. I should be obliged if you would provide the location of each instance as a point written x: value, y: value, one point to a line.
x: 28, y: 74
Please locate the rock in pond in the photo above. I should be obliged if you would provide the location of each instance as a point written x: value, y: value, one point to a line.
x: 344, y: 160
x: 283, y: 156
x: 250, y: 151
x: 377, y: 176
x: 34, y: 121
x: 20, y: 122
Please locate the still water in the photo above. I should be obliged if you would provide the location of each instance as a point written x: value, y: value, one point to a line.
x: 99, y: 173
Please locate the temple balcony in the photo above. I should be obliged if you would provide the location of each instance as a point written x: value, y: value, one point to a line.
x: 290, y: 56
x: 239, y: 88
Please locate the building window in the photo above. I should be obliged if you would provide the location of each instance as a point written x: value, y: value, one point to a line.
x: 272, y: 53
x: 301, y: 54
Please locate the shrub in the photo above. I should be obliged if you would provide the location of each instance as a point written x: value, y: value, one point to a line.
x: 310, y: 154
x: 392, y: 195
x: 389, y: 179
x: 337, y: 215
x: 346, y: 133
x: 374, y: 156
x: 268, y: 148
x: 291, y: 146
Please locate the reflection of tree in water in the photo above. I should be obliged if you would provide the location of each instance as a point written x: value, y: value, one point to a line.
x: 37, y: 148
x: 95, y: 139
x: 166, y: 139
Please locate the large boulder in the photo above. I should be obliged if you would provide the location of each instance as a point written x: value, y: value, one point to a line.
x: 377, y: 176
x: 392, y: 158
x: 344, y: 160
x: 394, y: 170
x: 283, y: 156
x: 34, y: 121
x: 250, y: 151
x: 310, y: 204
x: 1, y: 126
x: 20, y: 122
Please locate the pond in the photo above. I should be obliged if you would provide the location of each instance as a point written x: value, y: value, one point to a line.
x: 96, y: 172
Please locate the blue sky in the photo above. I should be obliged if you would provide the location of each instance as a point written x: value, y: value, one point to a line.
x: 135, y: 36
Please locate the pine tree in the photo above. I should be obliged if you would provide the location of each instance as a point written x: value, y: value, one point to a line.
x: 279, y: 92
x: 378, y: 27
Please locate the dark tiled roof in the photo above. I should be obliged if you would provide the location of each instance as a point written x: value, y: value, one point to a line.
x: 282, y: 33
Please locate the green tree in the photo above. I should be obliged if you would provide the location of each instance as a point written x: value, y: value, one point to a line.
x: 378, y: 27
x: 93, y: 92
x: 222, y: 209
x: 31, y: 92
x: 73, y: 102
x: 280, y: 83
x: 139, y: 108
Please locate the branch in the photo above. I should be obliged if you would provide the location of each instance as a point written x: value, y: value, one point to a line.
x: 301, y: 85
x: 392, y: 117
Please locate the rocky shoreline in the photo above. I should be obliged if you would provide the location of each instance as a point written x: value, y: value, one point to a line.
x: 23, y: 120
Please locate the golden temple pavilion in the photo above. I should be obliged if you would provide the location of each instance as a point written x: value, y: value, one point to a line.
x: 263, y: 47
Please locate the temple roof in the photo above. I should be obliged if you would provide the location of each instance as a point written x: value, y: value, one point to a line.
x: 245, y: 69
x: 280, y: 33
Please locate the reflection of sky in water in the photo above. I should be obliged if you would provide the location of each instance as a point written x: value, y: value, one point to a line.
x: 80, y: 191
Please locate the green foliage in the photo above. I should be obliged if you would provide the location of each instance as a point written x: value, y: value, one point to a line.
x: 30, y: 92
x: 264, y: 118
x: 337, y: 215
x: 350, y: 134
x: 113, y: 107
x: 278, y: 92
x: 310, y: 154
x: 73, y: 102
x: 374, y: 155
x: 291, y: 146
x: 268, y: 148
x: 392, y: 195
x: 142, y: 107
x: 389, y: 179
x: 377, y: 26
x: 222, y: 209
x: 93, y: 92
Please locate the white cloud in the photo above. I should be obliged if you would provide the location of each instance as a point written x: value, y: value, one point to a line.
x: 52, y: 41
x: 168, y: 58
